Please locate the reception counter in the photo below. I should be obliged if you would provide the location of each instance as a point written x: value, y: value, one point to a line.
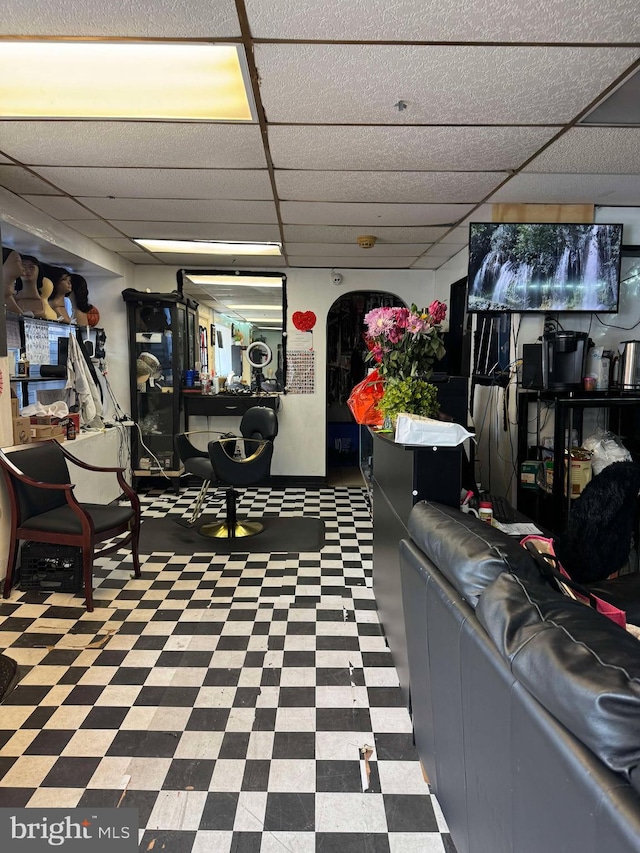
x: 403, y: 475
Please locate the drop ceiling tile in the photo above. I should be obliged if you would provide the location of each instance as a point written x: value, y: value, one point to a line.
x: 480, y: 149
x: 455, y: 20
x: 142, y: 18
x: 445, y: 250
x: 370, y: 215
x: 571, y: 189
x: 349, y: 234
x: 162, y: 183
x: 429, y: 262
x: 380, y: 250
x: 142, y: 144
x: 139, y: 258
x: 18, y: 180
x: 198, y: 230
x: 339, y: 262
x: 492, y: 85
x: 621, y: 107
x: 596, y: 150
x: 92, y: 227
x: 117, y: 244
x: 386, y: 186
x: 189, y: 210
x: 458, y: 235
x: 60, y: 207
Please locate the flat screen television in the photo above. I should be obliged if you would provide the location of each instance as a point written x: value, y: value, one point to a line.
x: 547, y: 267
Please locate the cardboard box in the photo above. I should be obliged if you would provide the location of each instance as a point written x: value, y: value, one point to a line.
x: 21, y: 431
x: 62, y: 423
x: 15, y: 411
x: 39, y: 433
x: 531, y: 474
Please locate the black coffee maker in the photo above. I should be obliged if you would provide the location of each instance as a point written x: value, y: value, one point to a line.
x: 564, y: 359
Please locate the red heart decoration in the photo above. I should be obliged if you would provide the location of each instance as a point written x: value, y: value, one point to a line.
x: 304, y: 321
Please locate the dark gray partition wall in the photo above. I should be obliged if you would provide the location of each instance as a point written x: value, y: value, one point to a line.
x: 403, y: 475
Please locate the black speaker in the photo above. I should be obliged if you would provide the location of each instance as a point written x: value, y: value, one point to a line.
x: 63, y: 349
x: 457, y: 361
x: 53, y: 370
x: 532, y: 376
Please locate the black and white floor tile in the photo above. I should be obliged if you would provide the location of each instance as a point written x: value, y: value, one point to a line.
x: 227, y: 698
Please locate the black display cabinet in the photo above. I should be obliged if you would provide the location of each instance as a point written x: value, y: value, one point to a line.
x: 162, y: 347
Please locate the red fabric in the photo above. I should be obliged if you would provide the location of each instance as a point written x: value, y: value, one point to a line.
x: 609, y: 610
x: 363, y: 400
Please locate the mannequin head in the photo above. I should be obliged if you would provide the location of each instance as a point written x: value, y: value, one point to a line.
x: 61, y: 280
x: 31, y: 273
x: 12, y: 267
x: 11, y: 270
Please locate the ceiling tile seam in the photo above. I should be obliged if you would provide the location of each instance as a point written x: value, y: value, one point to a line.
x: 603, y: 94
x: 446, y: 43
x: 254, y: 77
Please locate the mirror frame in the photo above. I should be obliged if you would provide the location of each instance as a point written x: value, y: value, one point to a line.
x: 184, y: 272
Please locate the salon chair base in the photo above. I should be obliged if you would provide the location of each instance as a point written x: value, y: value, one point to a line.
x: 231, y: 527
x: 240, y: 530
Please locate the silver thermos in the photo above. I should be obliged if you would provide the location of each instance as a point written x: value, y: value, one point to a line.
x: 627, y: 370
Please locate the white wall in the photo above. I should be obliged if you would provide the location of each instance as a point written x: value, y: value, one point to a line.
x: 300, y: 447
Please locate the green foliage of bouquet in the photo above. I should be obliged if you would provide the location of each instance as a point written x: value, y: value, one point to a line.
x: 412, y: 395
x: 406, y: 342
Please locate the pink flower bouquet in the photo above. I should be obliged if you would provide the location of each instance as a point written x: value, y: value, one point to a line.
x: 406, y: 342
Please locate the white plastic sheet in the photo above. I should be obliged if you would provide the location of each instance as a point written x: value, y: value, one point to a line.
x: 414, y: 429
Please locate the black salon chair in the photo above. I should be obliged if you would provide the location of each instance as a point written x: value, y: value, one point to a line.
x: 197, y: 463
x: 254, y: 466
x: 45, y: 509
x: 258, y: 422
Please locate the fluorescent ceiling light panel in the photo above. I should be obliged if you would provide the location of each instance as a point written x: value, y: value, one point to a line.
x: 212, y: 247
x: 123, y: 80
x: 238, y: 281
x: 253, y: 307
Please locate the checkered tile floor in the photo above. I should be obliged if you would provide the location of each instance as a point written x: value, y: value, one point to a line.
x: 227, y: 698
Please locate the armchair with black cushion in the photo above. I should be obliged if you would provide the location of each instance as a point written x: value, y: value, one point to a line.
x: 45, y: 509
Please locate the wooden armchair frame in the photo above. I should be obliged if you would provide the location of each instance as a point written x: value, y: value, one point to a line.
x: 88, y: 538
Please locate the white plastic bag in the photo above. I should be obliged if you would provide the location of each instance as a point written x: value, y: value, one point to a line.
x: 605, y: 448
x: 414, y: 429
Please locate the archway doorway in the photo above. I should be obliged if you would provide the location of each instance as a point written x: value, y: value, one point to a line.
x: 346, y: 366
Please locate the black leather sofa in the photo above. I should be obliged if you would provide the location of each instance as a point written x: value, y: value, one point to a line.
x: 525, y: 704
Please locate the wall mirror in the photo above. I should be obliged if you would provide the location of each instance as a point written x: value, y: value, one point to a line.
x: 258, y: 299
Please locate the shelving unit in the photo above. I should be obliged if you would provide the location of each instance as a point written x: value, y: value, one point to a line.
x: 164, y: 326
x: 552, y: 509
x: 38, y: 339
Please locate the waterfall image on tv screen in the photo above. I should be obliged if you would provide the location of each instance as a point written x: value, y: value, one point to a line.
x: 544, y: 267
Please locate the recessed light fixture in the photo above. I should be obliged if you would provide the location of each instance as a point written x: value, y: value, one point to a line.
x: 124, y: 80
x: 210, y: 247
x: 237, y: 281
